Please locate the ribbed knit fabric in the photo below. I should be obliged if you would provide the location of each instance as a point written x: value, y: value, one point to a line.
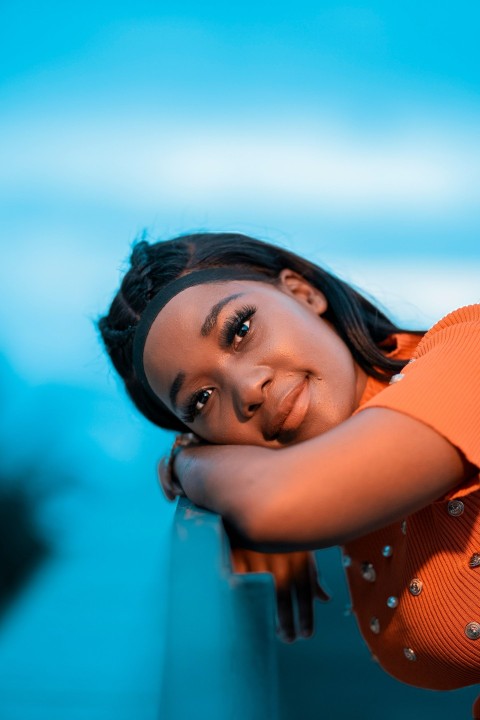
x: 442, y: 387
x: 420, y: 637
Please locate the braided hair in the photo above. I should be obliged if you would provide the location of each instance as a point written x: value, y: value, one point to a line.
x: 363, y: 327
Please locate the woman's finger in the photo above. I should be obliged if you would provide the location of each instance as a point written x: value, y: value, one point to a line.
x: 321, y: 593
x: 305, y: 590
x: 284, y: 571
x: 285, y: 616
x: 170, y: 488
x: 163, y: 472
x: 239, y: 558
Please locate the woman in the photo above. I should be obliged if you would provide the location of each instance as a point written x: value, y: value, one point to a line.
x: 282, y: 372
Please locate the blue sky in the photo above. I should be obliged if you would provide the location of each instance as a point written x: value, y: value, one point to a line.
x: 345, y: 131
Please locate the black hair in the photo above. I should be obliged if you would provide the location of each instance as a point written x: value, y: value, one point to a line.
x: 363, y: 327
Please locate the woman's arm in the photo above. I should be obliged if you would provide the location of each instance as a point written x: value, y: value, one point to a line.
x: 374, y: 468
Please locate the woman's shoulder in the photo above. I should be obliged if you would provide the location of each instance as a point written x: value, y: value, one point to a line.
x: 463, y: 322
x: 439, y: 385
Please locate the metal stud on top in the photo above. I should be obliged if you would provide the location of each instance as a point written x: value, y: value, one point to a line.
x: 396, y: 378
x: 368, y: 572
x: 403, y: 527
x: 409, y: 654
x: 387, y: 551
x: 455, y: 508
x: 392, y: 602
x: 474, y: 561
x: 472, y: 630
x: 375, y: 625
x: 415, y: 586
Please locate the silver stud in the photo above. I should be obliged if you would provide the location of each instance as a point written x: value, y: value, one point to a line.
x: 412, y: 360
x: 416, y: 586
x: 375, y: 625
x: 403, y: 527
x: 474, y: 561
x: 347, y: 561
x: 455, y: 508
x: 472, y: 630
x: 387, y: 551
x: 392, y: 602
x: 409, y: 654
x: 396, y: 378
x: 368, y: 572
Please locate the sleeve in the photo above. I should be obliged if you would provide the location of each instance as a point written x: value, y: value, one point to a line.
x: 440, y: 385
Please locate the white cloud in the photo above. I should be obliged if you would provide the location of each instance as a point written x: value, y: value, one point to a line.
x: 325, y: 168
x: 418, y: 292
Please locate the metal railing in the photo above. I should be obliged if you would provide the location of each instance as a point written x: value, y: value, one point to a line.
x: 221, y: 652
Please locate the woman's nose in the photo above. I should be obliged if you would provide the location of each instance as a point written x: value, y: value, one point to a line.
x: 249, y: 388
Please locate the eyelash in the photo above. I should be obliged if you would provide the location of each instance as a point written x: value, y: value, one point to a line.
x: 233, y: 324
x: 231, y: 328
x: 191, y: 411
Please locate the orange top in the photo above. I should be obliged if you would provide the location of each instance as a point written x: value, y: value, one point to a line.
x: 415, y: 585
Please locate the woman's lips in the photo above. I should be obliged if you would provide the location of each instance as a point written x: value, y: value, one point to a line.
x: 289, y: 412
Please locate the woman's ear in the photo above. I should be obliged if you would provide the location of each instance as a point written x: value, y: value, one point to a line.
x: 294, y: 284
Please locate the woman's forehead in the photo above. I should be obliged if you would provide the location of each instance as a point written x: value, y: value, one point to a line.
x: 193, y: 301
x: 190, y: 314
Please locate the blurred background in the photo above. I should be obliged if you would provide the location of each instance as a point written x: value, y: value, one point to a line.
x: 347, y: 132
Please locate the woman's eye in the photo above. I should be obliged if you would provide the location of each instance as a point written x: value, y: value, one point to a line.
x: 236, y: 327
x: 202, y: 399
x: 195, y: 405
x: 243, y: 329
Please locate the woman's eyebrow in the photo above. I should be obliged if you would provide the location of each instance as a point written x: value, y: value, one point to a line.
x: 175, y: 389
x: 212, y: 317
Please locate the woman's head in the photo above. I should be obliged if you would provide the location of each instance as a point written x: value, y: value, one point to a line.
x: 311, y: 307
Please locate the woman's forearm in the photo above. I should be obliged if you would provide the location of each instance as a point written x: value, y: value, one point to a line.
x: 326, y: 490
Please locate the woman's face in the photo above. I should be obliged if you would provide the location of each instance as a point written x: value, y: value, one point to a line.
x: 246, y: 362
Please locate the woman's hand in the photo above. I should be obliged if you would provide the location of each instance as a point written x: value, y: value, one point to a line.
x: 167, y: 478
x: 296, y: 586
